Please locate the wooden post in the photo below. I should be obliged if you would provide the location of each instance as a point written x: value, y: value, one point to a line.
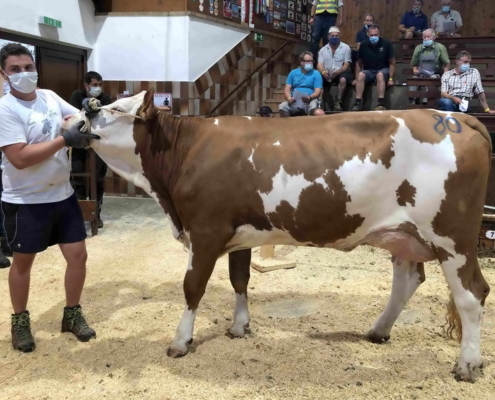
x: 267, y: 261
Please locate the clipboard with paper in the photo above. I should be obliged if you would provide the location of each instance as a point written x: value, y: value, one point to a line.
x: 298, y: 97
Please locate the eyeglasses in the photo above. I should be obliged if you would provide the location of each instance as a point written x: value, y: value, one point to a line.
x: 307, y: 61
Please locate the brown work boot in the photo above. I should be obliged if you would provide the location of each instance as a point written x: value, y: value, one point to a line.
x: 22, y: 339
x: 338, y: 105
x: 380, y: 107
x: 74, y: 321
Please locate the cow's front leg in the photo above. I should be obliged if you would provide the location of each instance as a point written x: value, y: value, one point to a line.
x: 239, y: 265
x: 202, y: 260
x: 407, y: 277
x: 465, y: 310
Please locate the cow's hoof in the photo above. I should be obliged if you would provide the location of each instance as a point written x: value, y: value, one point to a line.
x: 238, y: 331
x: 177, y: 350
x: 377, y: 338
x: 467, y: 372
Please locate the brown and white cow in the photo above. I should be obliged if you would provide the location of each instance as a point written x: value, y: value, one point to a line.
x: 412, y: 182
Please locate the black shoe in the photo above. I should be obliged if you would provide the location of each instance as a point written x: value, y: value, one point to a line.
x: 5, y: 247
x: 356, y: 107
x: 22, y: 339
x: 4, y: 261
x: 73, y: 321
x: 100, y: 223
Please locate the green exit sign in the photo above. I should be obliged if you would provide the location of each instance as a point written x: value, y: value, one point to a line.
x: 258, y: 37
x: 50, y: 22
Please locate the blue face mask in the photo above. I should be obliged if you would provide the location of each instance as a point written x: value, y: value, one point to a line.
x: 366, y: 26
x: 308, y: 67
x: 427, y: 43
x: 374, y: 39
x: 334, y: 40
x: 463, y: 68
x: 445, y: 9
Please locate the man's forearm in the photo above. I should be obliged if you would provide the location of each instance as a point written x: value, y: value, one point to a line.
x: 483, y: 102
x: 392, y: 71
x: 287, y: 93
x: 33, y: 154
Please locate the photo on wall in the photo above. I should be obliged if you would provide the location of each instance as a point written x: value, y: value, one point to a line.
x: 290, y: 27
x: 291, y: 5
x: 290, y: 14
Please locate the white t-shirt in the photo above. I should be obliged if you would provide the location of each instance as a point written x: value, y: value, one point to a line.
x: 33, y: 122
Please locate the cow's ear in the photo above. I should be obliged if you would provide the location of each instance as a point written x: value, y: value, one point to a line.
x: 148, y: 108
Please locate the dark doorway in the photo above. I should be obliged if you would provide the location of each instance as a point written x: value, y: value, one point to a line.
x: 60, y: 68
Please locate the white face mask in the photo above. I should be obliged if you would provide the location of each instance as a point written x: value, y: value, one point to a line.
x: 24, y: 82
x: 95, y: 91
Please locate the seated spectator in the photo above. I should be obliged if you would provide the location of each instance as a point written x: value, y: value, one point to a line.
x: 446, y: 22
x: 334, y: 60
x: 376, y: 63
x: 429, y: 59
x: 264, y: 112
x: 413, y: 23
x: 307, y: 81
x: 362, y: 34
x: 460, y: 84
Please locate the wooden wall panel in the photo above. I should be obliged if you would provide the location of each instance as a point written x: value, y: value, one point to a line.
x: 478, y: 16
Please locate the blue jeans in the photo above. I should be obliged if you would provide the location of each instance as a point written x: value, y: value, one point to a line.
x: 449, y: 105
x: 323, y: 23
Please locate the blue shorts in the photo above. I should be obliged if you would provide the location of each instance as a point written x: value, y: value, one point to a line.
x: 31, y: 228
x: 372, y: 73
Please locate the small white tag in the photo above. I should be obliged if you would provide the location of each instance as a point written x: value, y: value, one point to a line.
x: 490, y: 234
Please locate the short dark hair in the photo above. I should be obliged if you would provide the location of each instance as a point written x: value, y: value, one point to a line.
x: 421, y: 1
x: 92, y: 75
x: 369, y: 15
x: 13, y: 49
x: 374, y: 26
x: 463, y: 53
x: 305, y: 53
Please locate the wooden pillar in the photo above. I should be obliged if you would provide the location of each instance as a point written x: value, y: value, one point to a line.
x: 268, y: 261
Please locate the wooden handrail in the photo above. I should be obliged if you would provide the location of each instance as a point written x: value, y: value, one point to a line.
x: 222, y: 102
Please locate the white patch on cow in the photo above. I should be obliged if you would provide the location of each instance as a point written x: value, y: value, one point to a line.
x: 247, y: 237
x: 216, y: 121
x: 277, y: 143
x: 184, y: 332
x: 189, y: 264
x: 287, y: 188
x: 249, y: 118
x: 370, y: 184
x: 241, y: 315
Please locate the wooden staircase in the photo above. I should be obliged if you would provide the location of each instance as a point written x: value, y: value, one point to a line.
x: 278, y: 97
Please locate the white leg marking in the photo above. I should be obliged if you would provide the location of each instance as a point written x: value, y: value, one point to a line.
x: 241, y: 316
x: 184, y: 332
x: 471, y: 314
x: 406, y: 280
x: 189, y: 264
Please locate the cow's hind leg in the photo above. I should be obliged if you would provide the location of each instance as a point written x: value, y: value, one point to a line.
x: 203, y: 256
x: 239, y: 265
x: 465, y: 310
x: 407, y: 276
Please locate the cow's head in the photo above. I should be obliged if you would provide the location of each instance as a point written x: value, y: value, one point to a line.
x: 115, y: 126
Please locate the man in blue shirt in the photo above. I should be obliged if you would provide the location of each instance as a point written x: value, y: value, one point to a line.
x: 414, y: 22
x: 362, y: 34
x: 302, y: 89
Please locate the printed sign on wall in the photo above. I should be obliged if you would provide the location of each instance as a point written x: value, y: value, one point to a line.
x: 162, y: 99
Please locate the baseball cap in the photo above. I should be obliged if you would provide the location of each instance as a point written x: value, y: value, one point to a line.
x: 265, y: 110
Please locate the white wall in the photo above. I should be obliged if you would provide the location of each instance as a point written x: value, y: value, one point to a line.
x: 208, y: 42
x: 144, y: 48
x: 77, y: 16
x: 159, y: 48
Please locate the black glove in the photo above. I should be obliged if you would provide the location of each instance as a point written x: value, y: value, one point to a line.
x: 75, y: 138
x: 90, y: 113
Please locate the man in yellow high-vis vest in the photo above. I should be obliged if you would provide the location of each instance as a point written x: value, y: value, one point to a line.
x: 324, y: 15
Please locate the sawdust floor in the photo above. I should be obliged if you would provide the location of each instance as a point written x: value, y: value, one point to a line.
x: 307, y: 322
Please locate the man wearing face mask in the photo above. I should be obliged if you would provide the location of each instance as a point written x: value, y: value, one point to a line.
x: 460, y: 84
x: 334, y: 60
x: 414, y: 22
x: 93, y: 83
x: 362, y: 34
x: 446, y: 22
x: 38, y: 202
x: 376, y: 63
x: 302, y: 89
x: 429, y: 59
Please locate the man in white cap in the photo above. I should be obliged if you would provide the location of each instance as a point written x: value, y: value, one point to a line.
x: 334, y: 62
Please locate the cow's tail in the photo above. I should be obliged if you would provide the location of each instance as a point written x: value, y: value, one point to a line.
x: 453, y: 326
x: 475, y: 123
